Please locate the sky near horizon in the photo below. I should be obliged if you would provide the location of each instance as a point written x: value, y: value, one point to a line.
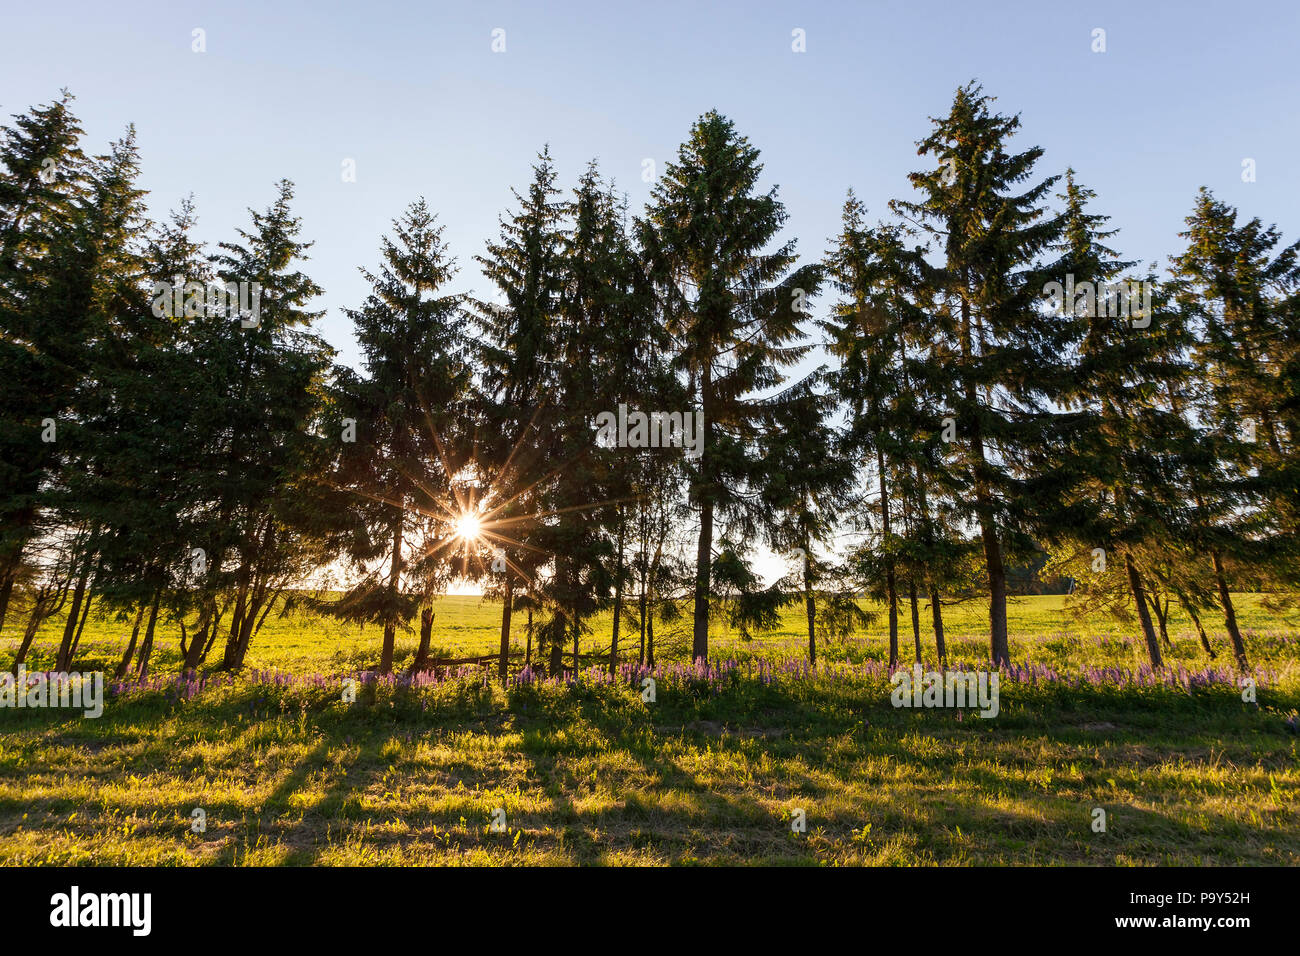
x: 415, y: 95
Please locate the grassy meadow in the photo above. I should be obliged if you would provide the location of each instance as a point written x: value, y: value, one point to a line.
x: 711, y: 772
x: 1041, y: 630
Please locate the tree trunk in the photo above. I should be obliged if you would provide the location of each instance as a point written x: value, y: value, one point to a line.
x: 650, y: 637
x: 810, y: 605
x: 936, y: 607
x: 703, y: 561
x: 891, y: 588
x: 1229, y: 613
x: 507, y: 611
x: 936, y: 610
x: 48, y: 602
x: 63, y: 658
x: 212, y: 636
x: 421, y: 662
x: 704, y: 546
x: 231, y: 653
x: 1144, y: 616
x: 130, y: 647
x: 1162, y: 616
x: 76, y: 638
x: 916, y: 616
x: 641, y: 600
x: 394, y: 573
x: 6, y: 592
x: 1200, y: 629
x: 1186, y: 604
x: 618, y: 595
x: 999, y: 647
x: 40, y: 611
x: 194, y: 654
x: 12, y: 565
x: 247, y: 624
x: 146, y: 646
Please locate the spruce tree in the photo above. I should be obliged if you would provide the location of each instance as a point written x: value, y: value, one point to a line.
x: 517, y: 355
x: 408, y: 410
x: 580, y: 507
x: 862, y: 331
x: 101, y: 457
x: 268, y: 370
x: 42, y: 184
x: 1008, y: 360
x: 1119, y: 439
x: 1242, y: 294
x: 733, y: 310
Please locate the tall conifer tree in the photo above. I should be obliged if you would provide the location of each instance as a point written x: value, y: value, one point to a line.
x: 409, y: 410
x: 1008, y: 360
x: 733, y: 310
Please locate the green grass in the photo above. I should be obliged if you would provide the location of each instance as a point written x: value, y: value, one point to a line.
x: 1039, y: 627
x: 702, y: 775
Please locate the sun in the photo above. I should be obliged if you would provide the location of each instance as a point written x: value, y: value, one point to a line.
x: 468, y: 526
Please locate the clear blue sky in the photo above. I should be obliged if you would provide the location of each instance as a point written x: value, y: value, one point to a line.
x: 413, y: 92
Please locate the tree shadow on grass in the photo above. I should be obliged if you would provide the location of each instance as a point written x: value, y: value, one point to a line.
x: 667, y: 806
